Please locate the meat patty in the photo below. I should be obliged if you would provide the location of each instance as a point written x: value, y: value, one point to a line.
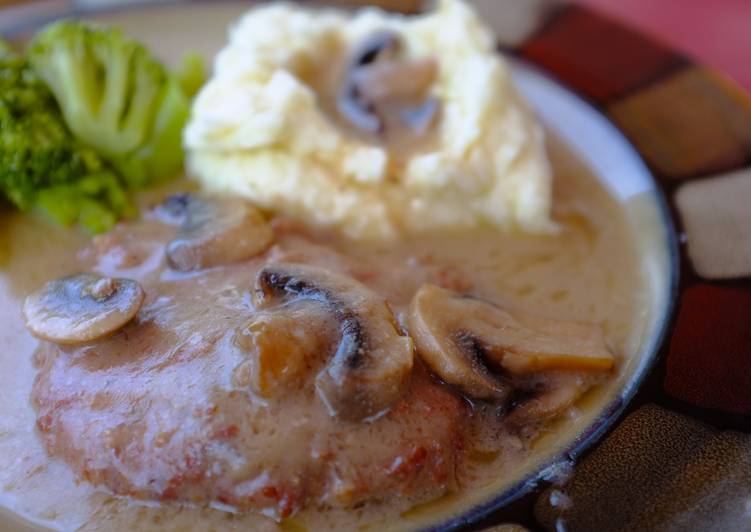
x: 165, y: 409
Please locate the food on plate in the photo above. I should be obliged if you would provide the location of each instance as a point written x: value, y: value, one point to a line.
x: 86, y: 115
x: 460, y: 336
x: 5, y: 48
x: 191, y: 73
x: 413, y: 121
x: 164, y: 409
x: 215, y: 232
x: 370, y: 367
x: 42, y: 165
x: 367, y: 299
x: 295, y: 376
x: 82, y: 308
x: 115, y: 96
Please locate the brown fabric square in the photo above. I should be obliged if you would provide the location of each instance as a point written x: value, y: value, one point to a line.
x: 709, y: 363
x: 716, y: 216
x: 631, y: 468
x: 691, y: 123
x: 657, y: 471
x: 596, y: 55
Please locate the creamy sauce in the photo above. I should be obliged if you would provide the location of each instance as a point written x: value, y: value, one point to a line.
x: 590, y: 271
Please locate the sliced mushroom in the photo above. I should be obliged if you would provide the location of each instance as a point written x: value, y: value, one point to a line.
x: 372, y: 362
x: 383, y: 44
x: 217, y: 231
x: 395, y: 80
x: 380, y: 88
x: 446, y: 347
x: 555, y: 393
x: 469, y: 343
x: 351, y: 102
x: 82, y: 308
x: 420, y: 117
x: 174, y: 208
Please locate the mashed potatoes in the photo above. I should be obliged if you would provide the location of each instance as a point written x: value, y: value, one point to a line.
x: 259, y: 128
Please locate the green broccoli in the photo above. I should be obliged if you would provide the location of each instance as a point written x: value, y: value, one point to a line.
x: 115, y: 97
x: 40, y: 159
x: 191, y: 73
x: 96, y: 202
x: 5, y: 48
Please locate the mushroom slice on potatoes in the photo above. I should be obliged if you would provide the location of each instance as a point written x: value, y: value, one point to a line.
x: 82, y: 308
x: 381, y: 89
x: 217, y: 231
x: 371, y: 365
x: 464, y: 339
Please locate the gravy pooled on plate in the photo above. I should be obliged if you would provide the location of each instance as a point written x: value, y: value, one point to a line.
x: 279, y: 378
x: 225, y: 390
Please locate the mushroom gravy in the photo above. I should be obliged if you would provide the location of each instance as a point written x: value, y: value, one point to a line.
x: 590, y: 272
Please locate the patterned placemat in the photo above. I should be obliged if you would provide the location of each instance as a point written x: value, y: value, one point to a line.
x: 681, y: 457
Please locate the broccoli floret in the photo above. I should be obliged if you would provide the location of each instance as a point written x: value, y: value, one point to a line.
x: 39, y: 157
x: 96, y: 202
x: 5, y: 48
x: 191, y: 74
x: 115, y: 96
x: 35, y: 147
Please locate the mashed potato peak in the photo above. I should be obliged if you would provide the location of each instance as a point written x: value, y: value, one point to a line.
x: 259, y: 129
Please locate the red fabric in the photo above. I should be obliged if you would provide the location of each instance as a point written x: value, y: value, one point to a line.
x: 709, y: 363
x: 716, y: 32
x: 599, y: 57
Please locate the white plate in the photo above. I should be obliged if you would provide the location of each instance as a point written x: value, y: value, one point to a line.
x: 172, y: 29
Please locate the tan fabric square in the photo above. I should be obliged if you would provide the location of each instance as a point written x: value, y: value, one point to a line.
x: 690, y: 123
x: 716, y: 215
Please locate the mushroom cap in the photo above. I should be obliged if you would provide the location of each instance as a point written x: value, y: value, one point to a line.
x: 471, y: 343
x: 381, y: 92
x: 560, y: 391
x: 216, y: 231
x: 82, y: 308
x: 436, y: 323
x: 378, y: 45
x: 370, y: 368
